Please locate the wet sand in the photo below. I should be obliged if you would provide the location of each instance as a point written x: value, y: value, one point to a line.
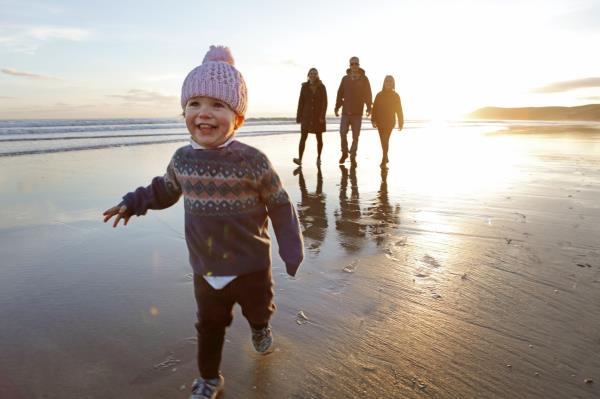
x: 471, y: 269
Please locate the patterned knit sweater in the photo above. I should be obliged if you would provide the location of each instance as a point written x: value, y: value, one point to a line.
x: 228, y: 193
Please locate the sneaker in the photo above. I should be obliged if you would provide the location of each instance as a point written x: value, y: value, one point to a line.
x: 262, y: 339
x: 207, y: 389
x: 343, y: 158
x: 297, y: 161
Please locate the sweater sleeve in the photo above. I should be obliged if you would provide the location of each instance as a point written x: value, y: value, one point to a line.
x: 283, y: 217
x: 399, y: 112
x: 339, y: 101
x: 163, y: 192
x: 368, y: 95
x: 375, y: 108
x: 324, y: 110
x: 300, y: 105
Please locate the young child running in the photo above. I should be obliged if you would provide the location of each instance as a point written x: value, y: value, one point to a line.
x: 229, y: 190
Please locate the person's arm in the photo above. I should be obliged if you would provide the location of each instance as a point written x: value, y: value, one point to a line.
x: 283, y: 216
x: 400, y: 113
x: 339, y: 101
x: 368, y: 96
x: 324, y: 109
x: 163, y: 192
x: 300, y: 105
x: 374, y: 110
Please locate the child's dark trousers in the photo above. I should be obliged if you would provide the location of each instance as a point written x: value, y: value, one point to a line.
x: 254, y: 293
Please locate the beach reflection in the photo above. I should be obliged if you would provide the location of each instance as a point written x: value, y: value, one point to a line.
x: 384, y: 216
x: 312, y: 212
x: 348, y: 215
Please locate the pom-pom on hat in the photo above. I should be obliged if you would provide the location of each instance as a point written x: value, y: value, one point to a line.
x: 217, y: 78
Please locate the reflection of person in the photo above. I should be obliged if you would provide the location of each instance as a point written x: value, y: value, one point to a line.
x: 312, y: 212
x: 351, y: 230
x: 353, y: 94
x: 386, y: 107
x: 385, y: 215
x: 312, y: 106
x: 229, y: 189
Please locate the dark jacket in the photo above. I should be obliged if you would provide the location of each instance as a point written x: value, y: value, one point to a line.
x: 385, y: 108
x: 312, y: 108
x: 353, y: 94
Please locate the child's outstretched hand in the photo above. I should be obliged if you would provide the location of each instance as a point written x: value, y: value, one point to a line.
x: 120, y: 211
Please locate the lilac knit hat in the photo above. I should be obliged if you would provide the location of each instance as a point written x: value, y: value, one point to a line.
x: 217, y: 78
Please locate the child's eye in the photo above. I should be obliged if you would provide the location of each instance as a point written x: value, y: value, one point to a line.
x: 218, y: 104
x: 193, y: 104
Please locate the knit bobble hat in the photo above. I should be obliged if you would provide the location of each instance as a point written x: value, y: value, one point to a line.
x: 217, y: 78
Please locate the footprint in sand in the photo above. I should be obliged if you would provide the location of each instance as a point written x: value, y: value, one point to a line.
x: 336, y: 287
x: 351, y: 267
x: 430, y: 260
x: 520, y: 217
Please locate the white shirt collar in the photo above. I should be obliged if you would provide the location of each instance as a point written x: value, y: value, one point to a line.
x: 197, y: 146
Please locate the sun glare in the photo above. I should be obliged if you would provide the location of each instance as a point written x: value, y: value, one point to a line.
x: 441, y: 161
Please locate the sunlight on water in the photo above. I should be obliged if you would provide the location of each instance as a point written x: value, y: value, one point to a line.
x: 443, y: 162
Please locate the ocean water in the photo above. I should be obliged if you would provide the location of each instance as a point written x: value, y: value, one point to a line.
x: 22, y: 137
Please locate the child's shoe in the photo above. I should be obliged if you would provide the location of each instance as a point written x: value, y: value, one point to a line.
x: 262, y: 339
x: 207, y: 389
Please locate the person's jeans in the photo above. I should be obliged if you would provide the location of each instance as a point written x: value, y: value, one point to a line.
x: 347, y: 122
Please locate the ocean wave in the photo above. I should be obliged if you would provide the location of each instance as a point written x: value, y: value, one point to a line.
x: 22, y: 137
x: 42, y: 145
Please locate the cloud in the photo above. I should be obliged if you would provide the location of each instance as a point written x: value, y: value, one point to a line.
x: 27, y: 75
x: 48, y: 32
x: 291, y: 63
x: 592, y: 98
x: 145, y: 97
x: 567, y: 85
x: 158, y: 78
x: 28, y: 39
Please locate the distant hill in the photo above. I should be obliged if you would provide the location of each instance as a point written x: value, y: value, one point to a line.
x: 590, y: 112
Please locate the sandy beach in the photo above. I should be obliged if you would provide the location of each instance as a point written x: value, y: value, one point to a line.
x: 469, y: 269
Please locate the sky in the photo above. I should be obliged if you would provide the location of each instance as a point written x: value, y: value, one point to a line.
x: 120, y: 59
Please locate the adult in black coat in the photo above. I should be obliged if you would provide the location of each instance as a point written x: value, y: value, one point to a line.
x: 386, y: 108
x: 312, y: 106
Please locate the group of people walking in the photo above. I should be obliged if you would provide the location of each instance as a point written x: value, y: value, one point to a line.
x: 354, y: 93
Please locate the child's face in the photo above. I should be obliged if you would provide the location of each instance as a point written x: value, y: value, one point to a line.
x: 210, y: 122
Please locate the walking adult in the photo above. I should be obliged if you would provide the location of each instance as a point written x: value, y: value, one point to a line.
x: 353, y: 94
x: 312, y: 106
x: 386, y: 108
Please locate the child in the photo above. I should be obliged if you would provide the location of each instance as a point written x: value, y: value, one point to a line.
x: 385, y: 108
x: 229, y: 189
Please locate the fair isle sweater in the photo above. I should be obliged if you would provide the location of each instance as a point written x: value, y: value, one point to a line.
x: 228, y: 194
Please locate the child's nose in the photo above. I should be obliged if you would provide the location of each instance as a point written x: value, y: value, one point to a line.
x: 203, y: 112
